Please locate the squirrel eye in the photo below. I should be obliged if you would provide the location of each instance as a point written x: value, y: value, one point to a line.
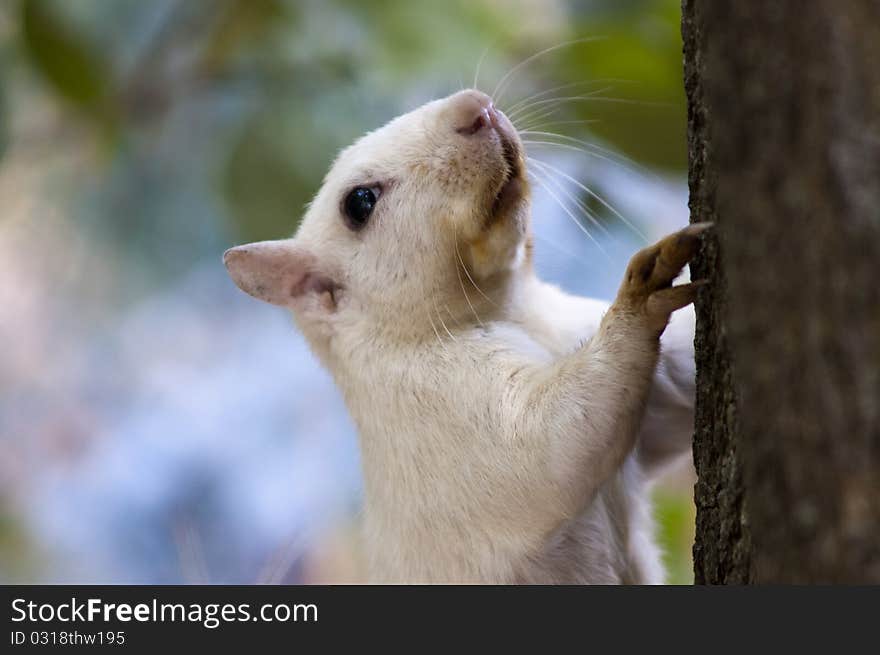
x: 358, y: 206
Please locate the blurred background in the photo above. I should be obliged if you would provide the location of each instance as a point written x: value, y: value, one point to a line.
x: 156, y: 424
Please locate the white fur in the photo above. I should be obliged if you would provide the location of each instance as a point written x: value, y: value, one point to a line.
x: 497, y: 414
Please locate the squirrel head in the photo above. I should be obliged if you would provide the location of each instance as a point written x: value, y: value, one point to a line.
x: 429, y: 211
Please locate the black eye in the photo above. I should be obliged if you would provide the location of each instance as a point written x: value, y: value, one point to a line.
x: 359, y: 205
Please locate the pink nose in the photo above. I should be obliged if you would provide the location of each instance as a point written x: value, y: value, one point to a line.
x: 474, y: 112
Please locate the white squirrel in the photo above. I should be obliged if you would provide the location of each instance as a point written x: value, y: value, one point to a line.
x: 509, y: 431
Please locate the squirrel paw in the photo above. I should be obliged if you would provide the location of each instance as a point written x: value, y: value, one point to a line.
x: 647, y: 284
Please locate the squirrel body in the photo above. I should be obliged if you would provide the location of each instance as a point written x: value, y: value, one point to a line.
x: 509, y: 431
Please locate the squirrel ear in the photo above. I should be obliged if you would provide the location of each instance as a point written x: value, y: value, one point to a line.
x: 280, y: 272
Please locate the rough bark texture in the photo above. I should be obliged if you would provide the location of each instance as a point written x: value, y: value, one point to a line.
x: 784, y: 145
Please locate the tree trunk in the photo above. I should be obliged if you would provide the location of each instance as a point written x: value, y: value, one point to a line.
x: 784, y: 148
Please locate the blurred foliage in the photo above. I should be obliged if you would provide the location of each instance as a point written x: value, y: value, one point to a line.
x: 66, y: 60
x: 303, y: 79
x: 242, y: 24
x: 18, y: 557
x: 675, y: 515
x: 639, y: 43
x: 4, y: 120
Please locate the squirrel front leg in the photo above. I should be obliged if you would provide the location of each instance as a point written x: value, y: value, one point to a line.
x: 586, y: 408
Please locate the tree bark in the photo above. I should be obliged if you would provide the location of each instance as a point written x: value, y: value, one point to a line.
x: 784, y: 151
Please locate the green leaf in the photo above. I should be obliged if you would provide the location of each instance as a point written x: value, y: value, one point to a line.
x: 675, y: 516
x: 65, y: 60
